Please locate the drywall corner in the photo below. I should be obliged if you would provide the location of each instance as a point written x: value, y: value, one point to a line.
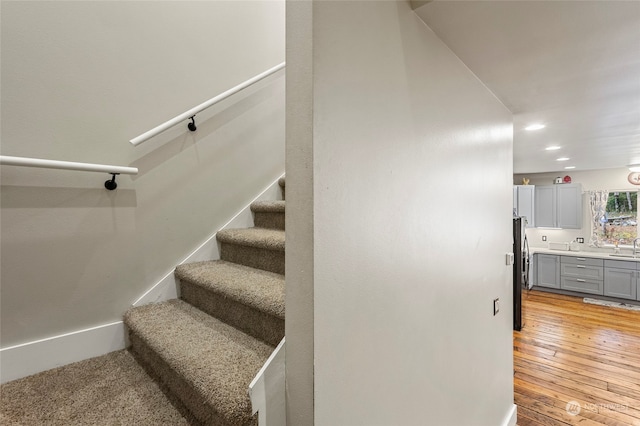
x: 299, y: 217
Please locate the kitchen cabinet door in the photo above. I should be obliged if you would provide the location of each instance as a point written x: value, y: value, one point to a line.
x: 558, y: 206
x: 569, y: 206
x: 545, y: 206
x: 548, y: 270
x: 524, y: 203
x: 621, y: 283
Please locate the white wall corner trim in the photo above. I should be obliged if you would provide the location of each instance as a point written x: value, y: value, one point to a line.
x: 29, y: 358
x: 167, y: 287
x: 512, y: 416
x: 267, y: 390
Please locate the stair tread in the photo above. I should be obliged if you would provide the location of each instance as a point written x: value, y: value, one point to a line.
x: 270, y: 239
x: 217, y: 360
x: 268, y: 206
x: 256, y: 288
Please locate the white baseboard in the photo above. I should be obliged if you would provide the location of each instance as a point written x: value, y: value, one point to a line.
x: 33, y: 357
x: 512, y: 416
x: 167, y: 288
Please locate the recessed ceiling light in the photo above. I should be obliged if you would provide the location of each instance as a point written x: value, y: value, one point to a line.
x: 563, y: 159
x: 536, y: 126
x: 570, y: 167
x: 552, y: 148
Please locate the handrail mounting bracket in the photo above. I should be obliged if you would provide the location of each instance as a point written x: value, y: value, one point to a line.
x: 192, y: 126
x: 111, y: 184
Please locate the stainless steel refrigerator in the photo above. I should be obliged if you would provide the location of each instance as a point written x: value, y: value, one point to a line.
x: 520, y: 269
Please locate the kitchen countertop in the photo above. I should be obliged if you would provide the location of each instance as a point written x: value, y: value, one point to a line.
x: 592, y: 254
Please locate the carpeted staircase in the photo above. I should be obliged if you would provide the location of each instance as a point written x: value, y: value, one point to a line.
x: 205, y: 348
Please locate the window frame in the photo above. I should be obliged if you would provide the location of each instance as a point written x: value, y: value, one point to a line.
x: 603, y: 232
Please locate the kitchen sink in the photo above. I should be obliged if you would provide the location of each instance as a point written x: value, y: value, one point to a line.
x: 632, y: 256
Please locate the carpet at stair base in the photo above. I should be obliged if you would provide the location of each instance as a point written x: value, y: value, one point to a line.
x: 112, y: 389
x: 249, y: 299
x: 204, y: 362
x: 254, y: 247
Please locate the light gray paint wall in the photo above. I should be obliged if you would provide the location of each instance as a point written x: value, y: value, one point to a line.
x: 299, y: 217
x: 412, y: 173
x: 610, y: 179
x: 79, y: 79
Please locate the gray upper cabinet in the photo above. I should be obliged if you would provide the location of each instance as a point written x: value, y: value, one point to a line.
x: 545, y: 207
x: 558, y: 206
x: 523, y: 203
x: 569, y: 206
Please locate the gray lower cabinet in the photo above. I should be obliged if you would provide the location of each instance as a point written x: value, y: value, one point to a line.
x: 621, y: 279
x: 613, y: 278
x: 589, y: 270
x: 548, y: 270
x: 583, y: 285
x: 582, y: 274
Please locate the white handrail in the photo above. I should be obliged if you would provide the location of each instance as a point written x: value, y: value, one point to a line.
x: 193, y: 111
x: 6, y: 160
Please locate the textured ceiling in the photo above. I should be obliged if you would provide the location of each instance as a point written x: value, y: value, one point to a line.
x: 572, y: 65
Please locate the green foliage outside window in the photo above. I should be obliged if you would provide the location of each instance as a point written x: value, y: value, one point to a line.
x: 622, y: 218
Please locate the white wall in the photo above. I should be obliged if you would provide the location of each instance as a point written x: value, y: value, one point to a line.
x: 411, y: 178
x: 610, y: 179
x: 79, y: 79
x: 299, y: 218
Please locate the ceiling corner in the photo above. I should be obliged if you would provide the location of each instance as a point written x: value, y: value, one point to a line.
x: 418, y: 3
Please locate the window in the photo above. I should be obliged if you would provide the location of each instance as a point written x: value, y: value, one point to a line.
x: 620, y: 222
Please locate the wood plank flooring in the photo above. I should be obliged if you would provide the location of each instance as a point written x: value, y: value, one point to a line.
x: 570, y: 352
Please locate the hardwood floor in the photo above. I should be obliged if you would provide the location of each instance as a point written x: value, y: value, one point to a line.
x: 572, y: 352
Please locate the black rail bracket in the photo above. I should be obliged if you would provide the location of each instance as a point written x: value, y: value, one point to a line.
x: 192, y: 125
x: 111, y: 184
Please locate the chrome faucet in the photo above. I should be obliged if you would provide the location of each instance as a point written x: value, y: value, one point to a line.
x: 635, y: 245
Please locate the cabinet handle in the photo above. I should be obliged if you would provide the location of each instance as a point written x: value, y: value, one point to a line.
x: 580, y: 266
x: 581, y: 259
x: 581, y: 280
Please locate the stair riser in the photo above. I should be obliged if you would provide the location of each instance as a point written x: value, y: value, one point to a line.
x: 173, y: 384
x: 267, y: 260
x: 270, y: 220
x: 251, y: 321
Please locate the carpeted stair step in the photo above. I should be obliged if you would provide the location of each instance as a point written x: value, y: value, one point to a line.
x: 281, y: 183
x: 268, y: 214
x: 249, y: 299
x: 202, y: 362
x: 254, y: 247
